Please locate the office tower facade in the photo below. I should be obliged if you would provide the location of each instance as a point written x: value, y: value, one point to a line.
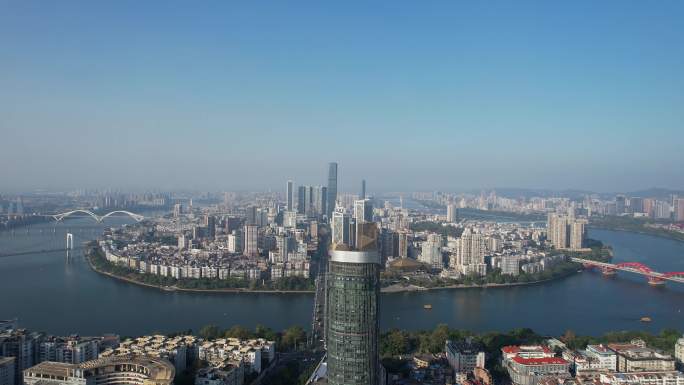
x: 363, y: 211
x: 332, y: 188
x: 210, y: 223
x: 470, y: 253
x: 620, y: 203
x: 308, y: 201
x: 251, y: 240
x: 320, y: 199
x: 402, y: 244
x: 301, y: 200
x: 290, y: 219
x: 340, y: 227
x: 431, y: 253
x: 235, y: 242
x: 636, y: 205
x: 363, y: 189
x: 352, y: 295
x: 352, y: 232
x: 451, y: 213
x: 262, y: 217
x: 389, y: 244
x: 289, y: 195
x: 251, y: 215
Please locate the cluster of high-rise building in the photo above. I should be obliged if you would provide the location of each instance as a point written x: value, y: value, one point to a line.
x: 566, y: 232
x: 481, y: 247
x: 469, y: 255
x: 33, y: 358
x: 11, y: 208
x: 25, y: 348
x: 262, y: 237
x: 664, y: 208
x: 352, y: 302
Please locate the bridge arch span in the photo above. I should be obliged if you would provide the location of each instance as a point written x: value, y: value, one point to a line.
x: 636, y: 265
x: 59, y: 217
x: 136, y: 217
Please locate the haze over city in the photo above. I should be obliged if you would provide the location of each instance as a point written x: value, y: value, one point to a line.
x: 341, y: 193
x: 410, y: 96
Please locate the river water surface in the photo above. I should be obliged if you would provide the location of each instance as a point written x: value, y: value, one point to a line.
x: 48, y: 292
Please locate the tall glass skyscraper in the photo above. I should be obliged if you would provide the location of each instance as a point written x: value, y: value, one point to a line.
x: 352, y: 294
x: 290, y: 195
x: 332, y: 188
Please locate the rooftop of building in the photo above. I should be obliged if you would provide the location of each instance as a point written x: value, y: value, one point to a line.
x: 635, y: 352
x: 600, y: 349
x: 636, y: 376
x: 220, y: 370
x: 540, y: 361
x: 467, y: 346
x: 511, y: 349
x: 52, y: 369
x: 158, y: 369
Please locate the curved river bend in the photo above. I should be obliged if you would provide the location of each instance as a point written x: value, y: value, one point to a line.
x: 50, y: 293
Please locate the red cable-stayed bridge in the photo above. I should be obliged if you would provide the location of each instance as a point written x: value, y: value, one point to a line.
x: 654, y: 277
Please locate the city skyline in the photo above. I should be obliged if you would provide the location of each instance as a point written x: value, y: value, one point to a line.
x: 342, y: 193
x: 450, y: 96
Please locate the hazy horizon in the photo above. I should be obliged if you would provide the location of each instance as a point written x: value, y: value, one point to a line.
x: 411, y: 97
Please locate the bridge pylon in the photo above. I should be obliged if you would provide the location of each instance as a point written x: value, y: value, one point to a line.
x: 69, y: 241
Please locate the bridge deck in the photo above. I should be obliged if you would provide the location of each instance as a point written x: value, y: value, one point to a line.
x: 643, y: 270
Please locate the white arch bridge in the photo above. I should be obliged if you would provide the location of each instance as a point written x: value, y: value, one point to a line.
x: 137, y: 217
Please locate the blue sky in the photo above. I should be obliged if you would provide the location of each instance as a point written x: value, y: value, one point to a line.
x: 409, y: 95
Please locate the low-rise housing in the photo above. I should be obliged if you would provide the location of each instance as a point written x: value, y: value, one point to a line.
x: 633, y: 358
x: 529, y: 365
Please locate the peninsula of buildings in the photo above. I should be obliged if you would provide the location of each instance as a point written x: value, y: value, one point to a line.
x: 263, y: 245
x: 279, y: 242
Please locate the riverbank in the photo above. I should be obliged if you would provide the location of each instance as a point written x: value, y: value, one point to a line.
x: 671, y: 235
x: 177, y: 288
x: 414, y: 288
x: 385, y: 290
x: 646, y: 226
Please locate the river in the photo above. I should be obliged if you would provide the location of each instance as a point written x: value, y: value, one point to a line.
x: 48, y: 292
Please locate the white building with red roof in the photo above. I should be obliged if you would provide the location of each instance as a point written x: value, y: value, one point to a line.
x: 527, y: 365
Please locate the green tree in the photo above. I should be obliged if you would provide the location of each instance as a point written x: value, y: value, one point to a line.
x: 395, y: 343
x: 438, y: 337
x: 210, y: 332
x: 238, y: 331
x: 266, y: 333
x: 293, y: 337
